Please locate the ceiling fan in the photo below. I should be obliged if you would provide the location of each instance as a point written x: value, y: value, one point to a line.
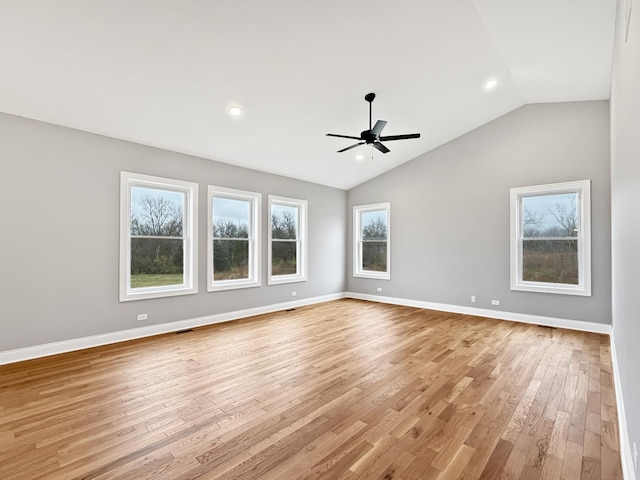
x: 372, y: 136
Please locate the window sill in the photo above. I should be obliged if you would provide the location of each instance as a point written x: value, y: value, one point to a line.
x: 286, y: 279
x: 130, y: 296
x: 231, y: 285
x: 561, y: 289
x: 377, y: 276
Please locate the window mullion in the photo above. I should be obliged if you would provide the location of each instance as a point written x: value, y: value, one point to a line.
x: 233, y: 261
x: 287, y: 216
x: 157, y: 265
x: 371, y: 253
x: 545, y: 261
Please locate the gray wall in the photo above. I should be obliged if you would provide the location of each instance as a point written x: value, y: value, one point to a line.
x: 450, y: 210
x: 625, y: 205
x: 60, y: 234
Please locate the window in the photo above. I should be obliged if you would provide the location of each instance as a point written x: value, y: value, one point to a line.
x: 551, y: 238
x: 158, y: 237
x: 287, y: 240
x: 371, y: 249
x: 234, y: 239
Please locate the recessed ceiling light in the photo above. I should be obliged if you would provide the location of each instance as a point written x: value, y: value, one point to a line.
x: 360, y: 157
x: 490, y: 84
x: 235, y: 111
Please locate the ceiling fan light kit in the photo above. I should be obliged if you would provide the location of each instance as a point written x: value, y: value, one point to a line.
x: 372, y: 136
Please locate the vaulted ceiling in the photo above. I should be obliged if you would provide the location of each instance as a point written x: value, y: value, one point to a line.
x: 165, y: 73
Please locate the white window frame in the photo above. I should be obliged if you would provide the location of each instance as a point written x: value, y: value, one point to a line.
x: 358, y: 271
x: 301, y: 274
x: 189, y: 236
x: 255, y: 200
x: 583, y: 190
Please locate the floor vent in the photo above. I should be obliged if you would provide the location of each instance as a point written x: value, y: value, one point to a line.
x: 184, y: 331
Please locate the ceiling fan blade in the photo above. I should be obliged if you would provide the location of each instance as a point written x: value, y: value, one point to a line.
x: 377, y: 128
x: 352, y: 146
x: 400, y: 137
x: 342, y: 136
x: 381, y: 147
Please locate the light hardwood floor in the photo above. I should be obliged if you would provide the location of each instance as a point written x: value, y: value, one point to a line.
x: 340, y: 390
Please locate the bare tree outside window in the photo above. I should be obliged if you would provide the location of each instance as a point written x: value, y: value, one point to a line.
x: 550, y: 249
x: 233, y: 251
x: 371, y: 241
x: 156, y: 238
x: 374, y: 242
x: 230, y: 250
x: 284, y: 244
x: 532, y: 223
x: 550, y: 233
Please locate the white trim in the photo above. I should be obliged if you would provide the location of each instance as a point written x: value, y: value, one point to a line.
x: 38, y: 351
x: 625, y: 446
x: 55, y: 348
x: 583, y: 189
x: 190, y: 234
x: 626, y: 454
x: 255, y: 277
x: 497, y: 314
x: 301, y: 275
x: 357, y: 243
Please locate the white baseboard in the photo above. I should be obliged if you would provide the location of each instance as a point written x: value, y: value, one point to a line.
x: 37, y: 351
x: 483, y: 312
x: 625, y: 446
x: 626, y: 454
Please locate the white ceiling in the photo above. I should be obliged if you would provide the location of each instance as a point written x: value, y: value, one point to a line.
x: 164, y: 72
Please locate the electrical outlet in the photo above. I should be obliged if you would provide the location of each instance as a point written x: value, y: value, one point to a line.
x: 293, y: 294
x: 473, y: 299
x: 142, y: 316
x: 495, y: 302
x: 635, y: 456
x: 379, y: 289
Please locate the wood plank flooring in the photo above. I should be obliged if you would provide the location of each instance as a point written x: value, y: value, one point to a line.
x: 341, y: 390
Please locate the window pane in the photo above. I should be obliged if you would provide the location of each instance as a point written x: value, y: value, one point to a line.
x: 284, y: 258
x: 374, y: 256
x: 284, y: 222
x: 374, y: 225
x: 231, y: 218
x: 156, y: 212
x: 551, y: 261
x: 156, y: 262
x: 550, y: 215
x: 230, y: 259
